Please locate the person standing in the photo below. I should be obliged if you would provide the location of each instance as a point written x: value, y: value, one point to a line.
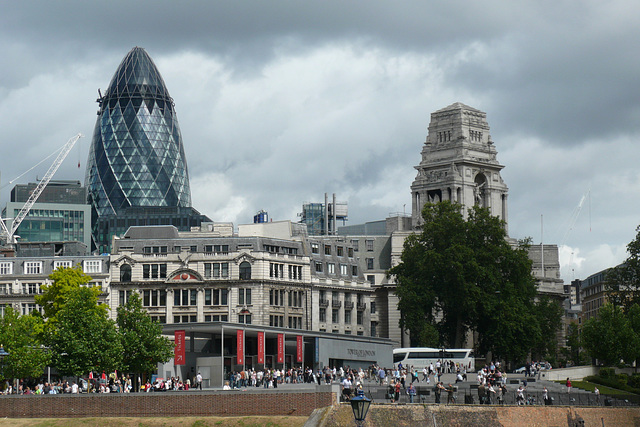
x: 199, y: 381
x: 568, y: 385
x: 545, y: 397
x: 411, y: 391
x: 597, y: 392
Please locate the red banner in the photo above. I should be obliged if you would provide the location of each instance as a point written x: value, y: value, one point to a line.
x: 280, y: 348
x: 179, y: 349
x: 299, y: 348
x: 240, y: 347
x: 260, y: 348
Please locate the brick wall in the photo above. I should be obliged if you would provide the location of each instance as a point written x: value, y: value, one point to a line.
x: 230, y: 403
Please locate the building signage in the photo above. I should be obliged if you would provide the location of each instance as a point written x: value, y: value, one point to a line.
x: 280, y: 348
x: 299, y: 348
x: 240, y: 347
x: 179, y: 349
x: 356, y: 352
x: 261, y: 348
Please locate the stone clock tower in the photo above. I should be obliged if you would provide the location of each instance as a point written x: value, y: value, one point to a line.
x: 459, y: 164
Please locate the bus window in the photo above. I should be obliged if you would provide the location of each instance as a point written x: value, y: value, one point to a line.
x: 399, y: 357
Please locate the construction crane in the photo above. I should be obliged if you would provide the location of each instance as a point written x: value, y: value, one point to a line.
x: 8, y: 235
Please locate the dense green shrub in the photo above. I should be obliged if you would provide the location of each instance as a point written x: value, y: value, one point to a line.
x: 613, y: 383
x: 634, y: 381
x: 607, y: 373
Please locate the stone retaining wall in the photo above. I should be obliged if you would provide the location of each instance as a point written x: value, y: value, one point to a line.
x: 228, y: 403
x: 507, y: 416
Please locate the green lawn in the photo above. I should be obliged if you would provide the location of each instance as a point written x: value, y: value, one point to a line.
x: 585, y: 385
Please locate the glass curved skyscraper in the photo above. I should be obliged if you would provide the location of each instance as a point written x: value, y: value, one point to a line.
x: 136, y: 157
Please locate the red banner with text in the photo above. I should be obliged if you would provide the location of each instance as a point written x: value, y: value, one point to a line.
x: 240, y: 347
x: 299, y: 348
x: 261, y: 348
x: 280, y: 348
x: 179, y: 349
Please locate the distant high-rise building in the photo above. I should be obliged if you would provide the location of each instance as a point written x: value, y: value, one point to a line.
x: 137, y: 161
x: 321, y: 218
x: 61, y: 213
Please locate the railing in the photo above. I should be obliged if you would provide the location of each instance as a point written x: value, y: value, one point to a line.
x: 336, y: 303
x: 324, y: 303
x: 362, y: 306
x: 348, y: 304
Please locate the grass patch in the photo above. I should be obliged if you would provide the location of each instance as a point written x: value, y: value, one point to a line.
x: 604, y: 390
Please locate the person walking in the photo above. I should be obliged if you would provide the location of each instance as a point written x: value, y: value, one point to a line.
x: 568, y: 385
x: 411, y: 391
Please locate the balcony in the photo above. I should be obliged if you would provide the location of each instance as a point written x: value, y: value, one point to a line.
x: 324, y: 303
x: 362, y: 306
x: 336, y: 303
x: 348, y: 305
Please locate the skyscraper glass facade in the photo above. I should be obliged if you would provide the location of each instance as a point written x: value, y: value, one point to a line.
x: 137, y: 155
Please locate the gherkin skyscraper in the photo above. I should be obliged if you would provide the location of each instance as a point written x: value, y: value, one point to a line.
x: 137, y: 157
x: 137, y: 171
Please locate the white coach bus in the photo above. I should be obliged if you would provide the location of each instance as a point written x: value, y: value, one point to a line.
x: 421, y: 357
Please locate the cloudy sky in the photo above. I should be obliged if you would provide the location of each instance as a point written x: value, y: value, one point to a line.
x: 282, y: 101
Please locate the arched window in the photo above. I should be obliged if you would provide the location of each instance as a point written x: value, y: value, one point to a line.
x: 125, y: 273
x: 245, y: 270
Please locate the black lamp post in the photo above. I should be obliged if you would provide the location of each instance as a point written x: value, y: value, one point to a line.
x: 360, y: 405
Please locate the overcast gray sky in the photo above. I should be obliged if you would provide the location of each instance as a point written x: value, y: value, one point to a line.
x: 282, y: 101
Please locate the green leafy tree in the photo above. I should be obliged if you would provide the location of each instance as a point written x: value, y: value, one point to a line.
x: 609, y: 337
x: 19, y: 336
x: 548, y: 313
x: 83, y: 338
x: 141, y: 337
x: 623, y: 282
x: 462, y: 275
x: 64, y: 280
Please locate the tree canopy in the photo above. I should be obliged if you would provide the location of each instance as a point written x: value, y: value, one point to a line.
x: 610, y: 337
x: 19, y: 336
x: 623, y: 282
x: 459, y: 276
x: 141, y: 338
x: 64, y: 279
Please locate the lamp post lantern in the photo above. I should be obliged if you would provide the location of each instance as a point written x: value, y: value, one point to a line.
x: 360, y: 405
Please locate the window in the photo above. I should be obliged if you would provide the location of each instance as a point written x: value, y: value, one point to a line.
x: 344, y: 271
x: 216, y: 318
x: 5, y: 289
x: 373, y: 307
x: 277, y: 321
x: 123, y: 297
x: 159, y: 319
x: 295, y: 272
x: 318, y: 267
x: 276, y: 270
x: 359, y: 317
x: 216, y: 270
x: 244, y: 318
x: 369, y: 263
x: 185, y: 318
x: 33, y: 267
x: 154, y: 298
x: 327, y: 249
x: 371, y: 279
x: 374, y: 329
x: 30, y: 288
x: 295, y: 298
x: 154, y: 250
x: 347, y: 332
x: 354, y: 243
x: 183, y: 297
x: 354, y: 270
x: 350, y: 252
x: 245, y: 271
x: 6, y: 268
x: 216, y: 249
x: 323, y: 314
x: 63, y: 264
x: 335, y: 315
x: 154, y: 271
x: 369, y: 244
x: 125, y: 273
x: 315, y: 248
x: 295, y: 322
x: 244, y: 296
x: 331, y: 268
x: 193, y: 248
x: 339, y: 251
x: 28, y: 308
x: 177, y: 249
x: 347, y: 317
x: 216, y: 296
x: 92, y: 266
x: 276, y: 297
